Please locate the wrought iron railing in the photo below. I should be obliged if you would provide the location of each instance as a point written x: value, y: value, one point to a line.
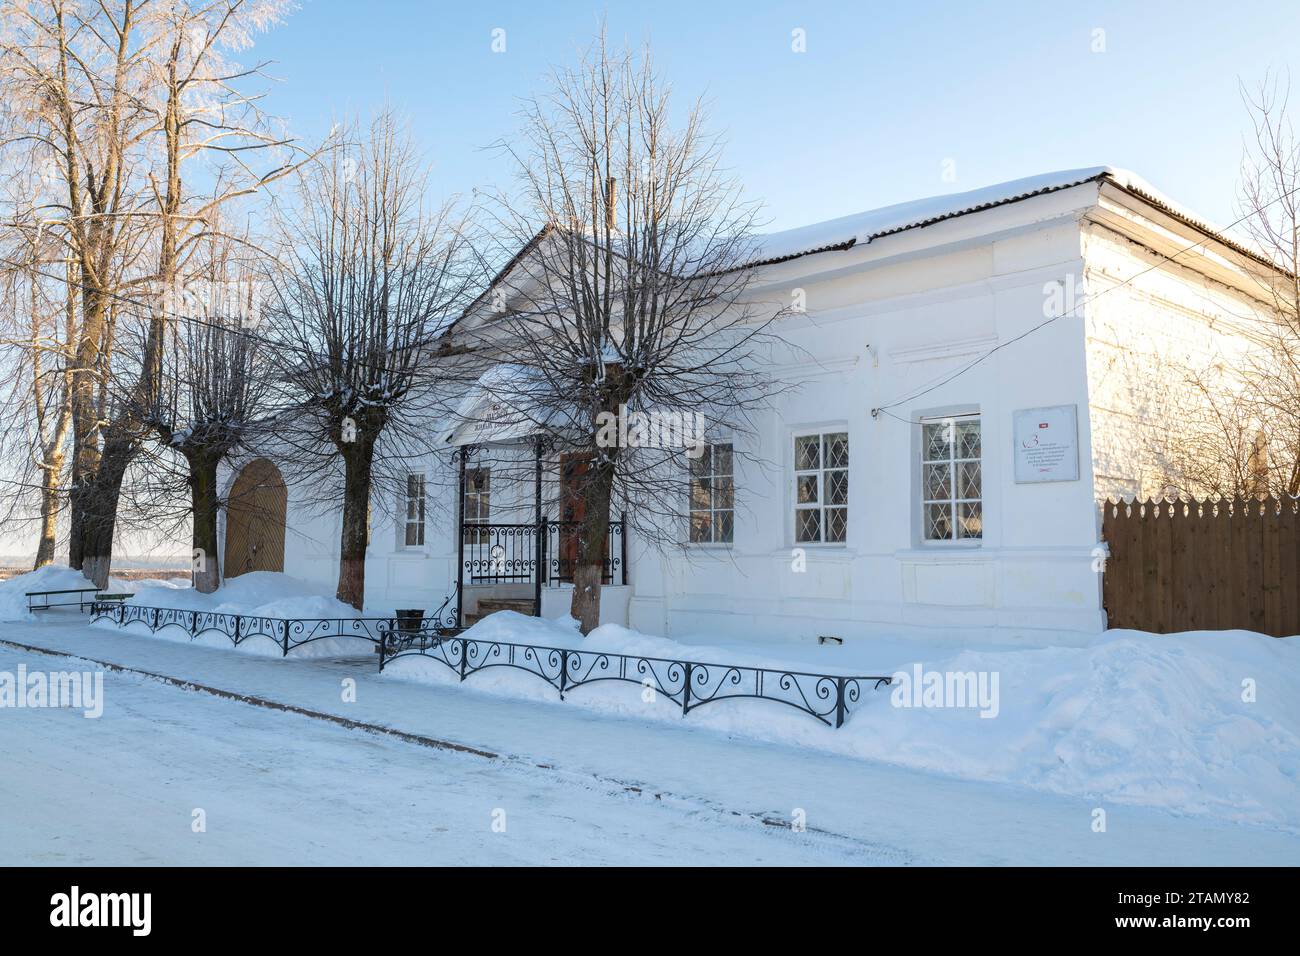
x: 287, y: 633
x: 689, y: 684
x: 512, y: 553
x: 499, y: 553
x: 562, y: 548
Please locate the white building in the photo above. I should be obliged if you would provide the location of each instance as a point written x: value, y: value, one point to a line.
x: 981, y: 369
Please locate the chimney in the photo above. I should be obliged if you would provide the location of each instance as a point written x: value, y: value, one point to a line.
x: 611, y: 203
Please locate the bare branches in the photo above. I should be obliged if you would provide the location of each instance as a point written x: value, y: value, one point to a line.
x: 116, y: 102
x: 632, y: 298
x: 368, y: 276
x: 1236, y: 419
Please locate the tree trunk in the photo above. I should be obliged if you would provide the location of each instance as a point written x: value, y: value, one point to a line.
x: 97, y: 476
x: 86, y: 414
x: 204, y: 505
x: 49, y: 510
x: 99, y: 496
x: 357, y: 459
x: 590, y: 568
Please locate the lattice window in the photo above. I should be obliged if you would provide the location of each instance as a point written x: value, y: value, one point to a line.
x: 712, y: 496
x: 952, y: 481
x: 821, y: 487
x: 477, y: 506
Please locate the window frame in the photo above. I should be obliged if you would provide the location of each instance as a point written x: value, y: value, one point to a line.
x: 483, y: 502
x: 421, y: 521
x: 954, y: 499
x: 820, y: 505
x: 713, y: 510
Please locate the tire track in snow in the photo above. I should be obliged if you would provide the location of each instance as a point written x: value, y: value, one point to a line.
x: 265, y: 702
x: 772, y: 821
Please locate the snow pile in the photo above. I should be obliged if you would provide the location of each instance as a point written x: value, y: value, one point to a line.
x: 254, y: 594
x: 52, y: 577
x: 1203, y: 723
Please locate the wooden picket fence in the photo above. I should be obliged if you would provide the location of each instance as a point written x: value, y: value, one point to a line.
x: 1203, y: 565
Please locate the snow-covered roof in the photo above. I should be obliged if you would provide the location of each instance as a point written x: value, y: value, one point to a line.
x: 864, y: 227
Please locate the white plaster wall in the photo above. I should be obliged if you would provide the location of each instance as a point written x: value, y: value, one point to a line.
x: 1147, y: 331
x: 892, y: 320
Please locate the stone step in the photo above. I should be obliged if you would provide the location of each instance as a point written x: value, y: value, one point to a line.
x: 488, y: 606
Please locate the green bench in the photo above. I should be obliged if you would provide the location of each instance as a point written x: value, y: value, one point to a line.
x: 44, y: 604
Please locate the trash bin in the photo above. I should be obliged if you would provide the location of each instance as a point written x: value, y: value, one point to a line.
x: 409, y: 620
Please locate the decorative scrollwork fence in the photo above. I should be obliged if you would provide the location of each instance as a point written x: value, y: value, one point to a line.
x: 512, y: 553
x: 689, y: 684
x: 287, y: 633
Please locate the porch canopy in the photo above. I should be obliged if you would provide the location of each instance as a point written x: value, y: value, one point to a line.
x: 506, y: 404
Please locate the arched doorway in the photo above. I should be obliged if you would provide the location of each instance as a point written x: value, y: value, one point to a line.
x: 255, y: 520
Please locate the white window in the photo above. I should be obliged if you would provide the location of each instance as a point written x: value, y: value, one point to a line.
x: 821, y: 487
x: 951, y: 479
x: 712, y: 496
x: 414, y: 537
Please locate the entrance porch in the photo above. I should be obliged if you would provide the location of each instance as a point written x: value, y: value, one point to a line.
x: 519, y: 522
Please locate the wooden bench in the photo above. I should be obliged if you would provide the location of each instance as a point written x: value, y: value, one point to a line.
x: 81, y: 603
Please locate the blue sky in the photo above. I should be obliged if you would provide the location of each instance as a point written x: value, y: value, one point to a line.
x: 885, y: 95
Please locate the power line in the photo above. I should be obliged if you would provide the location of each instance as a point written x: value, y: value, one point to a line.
x: 875, y: 412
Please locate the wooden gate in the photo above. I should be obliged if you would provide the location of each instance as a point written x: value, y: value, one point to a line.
x: 255, y: 520
x: 1203, y: 565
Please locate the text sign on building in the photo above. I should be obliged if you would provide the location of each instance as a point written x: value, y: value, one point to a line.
x: 1047, y: 443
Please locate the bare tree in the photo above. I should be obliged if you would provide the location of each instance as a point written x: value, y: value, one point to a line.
x: 1240, y: 424
x: 71, y: 70
x: 197, y: 109
x: 215, y: 395
x: 123, y: 96
x: 629, y: 305
x: 368, y: 275
x: 36, y: 322
x: 1217, y: 446
x: 1270, y: 203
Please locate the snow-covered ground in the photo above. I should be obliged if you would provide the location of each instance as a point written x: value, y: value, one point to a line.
x: 576, y: 786
x: 1197, y: 730
x: 276, y: 788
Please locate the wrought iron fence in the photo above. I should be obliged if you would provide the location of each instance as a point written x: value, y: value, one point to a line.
x: 287, y: 633
x: 689, y: 684
x: 499, y: 553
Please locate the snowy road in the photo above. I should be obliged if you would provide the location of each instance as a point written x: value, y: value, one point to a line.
x: 282, y: 788
x: 278, y: 787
